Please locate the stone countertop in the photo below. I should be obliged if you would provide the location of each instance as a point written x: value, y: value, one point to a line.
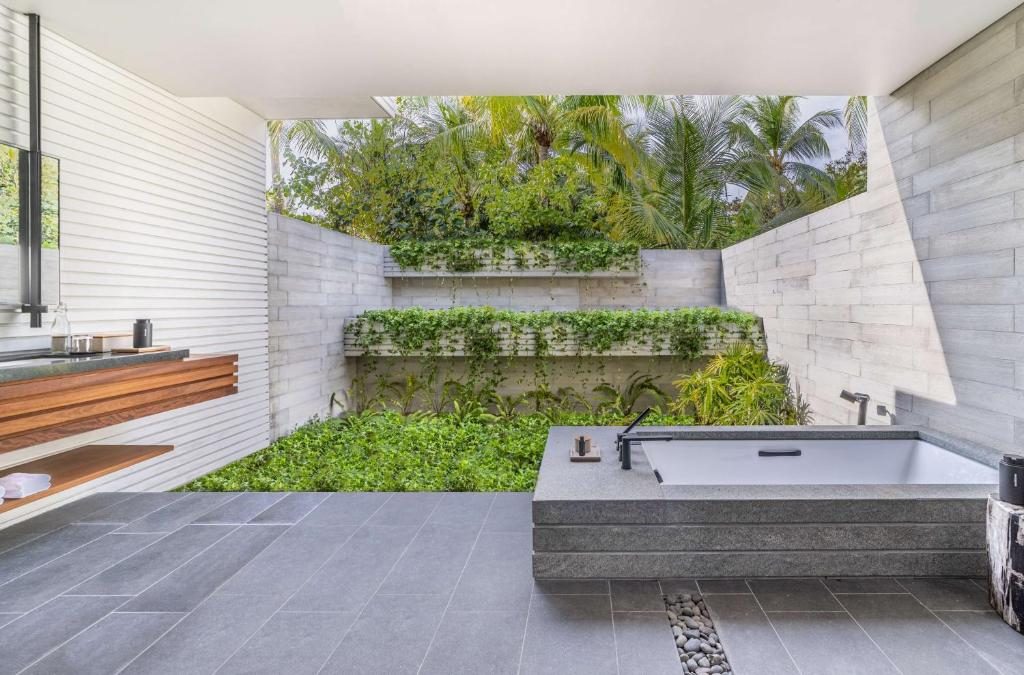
x: 562, y: 480
x: 51, y: 366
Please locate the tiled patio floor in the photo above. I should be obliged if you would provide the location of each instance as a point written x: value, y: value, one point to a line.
x: 422, y: 583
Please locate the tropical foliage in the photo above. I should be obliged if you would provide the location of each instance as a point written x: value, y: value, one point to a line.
x: 679, y: 171
x: 741, y: 387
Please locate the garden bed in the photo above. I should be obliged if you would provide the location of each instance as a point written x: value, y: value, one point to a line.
x: 477, y: 258
x: 389, y: 452
x: 488, y: 333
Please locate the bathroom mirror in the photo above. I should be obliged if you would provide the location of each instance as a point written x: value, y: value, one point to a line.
x: 14, y: 246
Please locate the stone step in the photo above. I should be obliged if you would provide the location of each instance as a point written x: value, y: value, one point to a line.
x: 758, y: 564
x: 717, y: 537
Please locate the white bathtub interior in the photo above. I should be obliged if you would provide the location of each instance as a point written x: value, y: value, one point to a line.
x: 821, y: 462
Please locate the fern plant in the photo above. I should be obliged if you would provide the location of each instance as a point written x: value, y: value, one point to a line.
x: 622, y: 400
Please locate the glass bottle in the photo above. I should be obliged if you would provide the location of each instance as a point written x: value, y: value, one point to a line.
x: 60, y: 331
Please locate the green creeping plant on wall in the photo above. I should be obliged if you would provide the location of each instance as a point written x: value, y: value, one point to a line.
x: 488, y: 337
x: 472, y: 255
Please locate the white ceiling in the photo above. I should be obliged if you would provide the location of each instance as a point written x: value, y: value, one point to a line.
x: 327, y: 58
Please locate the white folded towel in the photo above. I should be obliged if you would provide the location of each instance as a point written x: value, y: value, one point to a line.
x: 20, y: 485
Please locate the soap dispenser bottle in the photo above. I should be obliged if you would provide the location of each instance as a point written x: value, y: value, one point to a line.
x: 60, y: 331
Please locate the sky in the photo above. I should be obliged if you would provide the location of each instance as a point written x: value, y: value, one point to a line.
x: 837, y: 139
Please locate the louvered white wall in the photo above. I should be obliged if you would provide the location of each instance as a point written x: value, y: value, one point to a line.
x: 162, y: 216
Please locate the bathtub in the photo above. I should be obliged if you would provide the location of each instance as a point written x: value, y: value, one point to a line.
x: 813, y: 462
x: 764, y: 502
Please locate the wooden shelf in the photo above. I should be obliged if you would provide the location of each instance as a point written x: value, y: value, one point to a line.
x: 81, y: 465
x: 47, y: 408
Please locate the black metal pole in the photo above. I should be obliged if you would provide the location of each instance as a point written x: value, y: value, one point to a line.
x: 35, y: 175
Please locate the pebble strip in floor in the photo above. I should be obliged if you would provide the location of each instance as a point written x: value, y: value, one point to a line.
x: 696, y: 641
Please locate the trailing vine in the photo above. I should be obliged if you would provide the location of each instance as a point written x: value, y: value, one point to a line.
x: 487, y: 338
x: 473, y: 255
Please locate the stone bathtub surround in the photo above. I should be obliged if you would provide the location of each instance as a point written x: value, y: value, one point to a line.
x: 594, y: 520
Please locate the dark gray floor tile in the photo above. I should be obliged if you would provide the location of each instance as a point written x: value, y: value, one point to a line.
x: 462, y: 509
x: 11, y: 540
x: 433, y: 562
x: 352, y: 575
x: 290, y: 509
x: 989, y: 635
x: 241, y: 509
x: 794, y: 595
x: 914, y: 639
x: 47, y: 547
x: 679, y: 586
x: 31, y: 637
x: 645, y: 644
x: 498, y: 575
x: 291, y: 642
x: 947, y: 594
x: 510, y: 512
x: 47, y: 582
x: 207, y: 637
x: 183, y: 589
x: 391, y: 635
x: 468, y: 643
x: 406, y: 509
x: 282, y: 567
x: 750, y: 642
x: 829, y: 643
x: 106, y: 646
x: 637, y: 596
x: 722, y: 586
x: 571, y: 587
x: 569, y: 631
x: 138, y: 505
x: 178, y: 513
x: 345, y: 508
x: 863, y: 585
x: 67, y: 513
x: 138, y: 572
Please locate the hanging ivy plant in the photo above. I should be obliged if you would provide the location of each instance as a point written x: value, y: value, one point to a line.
x: 484, y: 335
x: 473, y: 255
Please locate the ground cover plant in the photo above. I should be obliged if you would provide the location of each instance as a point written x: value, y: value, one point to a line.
x: 388, y: 451
x: 481, y: 441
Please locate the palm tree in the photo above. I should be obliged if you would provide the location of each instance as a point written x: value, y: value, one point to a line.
x: 775, y: 151
x: 308, y: 137
x: 855, y: 115
x: 676, y: 196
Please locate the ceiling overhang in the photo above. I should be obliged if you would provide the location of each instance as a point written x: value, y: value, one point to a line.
x: 329, y: 58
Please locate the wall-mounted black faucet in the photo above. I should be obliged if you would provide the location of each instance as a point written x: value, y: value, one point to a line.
x: 624, y: 440
x: 861, y: 400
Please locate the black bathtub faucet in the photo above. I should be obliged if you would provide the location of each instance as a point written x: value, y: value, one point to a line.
x: 861, y: 400
x: 624, y: 440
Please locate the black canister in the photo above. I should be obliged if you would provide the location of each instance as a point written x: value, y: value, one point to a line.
x: 142, y: 333
x: 1011, y: 480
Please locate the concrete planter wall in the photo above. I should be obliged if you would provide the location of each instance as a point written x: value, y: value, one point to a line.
x: 559, y: 345
x: 509, y: 267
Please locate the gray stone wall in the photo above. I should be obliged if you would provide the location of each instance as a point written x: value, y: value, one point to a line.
x: 914, y: 291
x: 317, y: 279
x: 669, y: 279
